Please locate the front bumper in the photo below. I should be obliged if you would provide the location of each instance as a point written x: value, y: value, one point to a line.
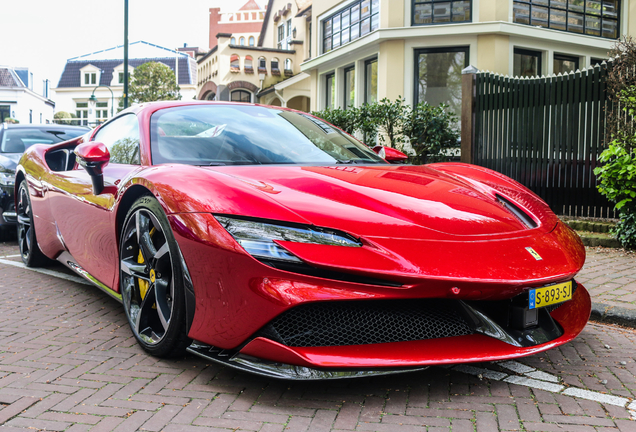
x: 264, y: 356
x: 8, y: 215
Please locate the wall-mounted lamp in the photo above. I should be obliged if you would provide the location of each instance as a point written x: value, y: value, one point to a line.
x: 294, y: 33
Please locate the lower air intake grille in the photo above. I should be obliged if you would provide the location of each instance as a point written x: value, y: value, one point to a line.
x: 366, y: 322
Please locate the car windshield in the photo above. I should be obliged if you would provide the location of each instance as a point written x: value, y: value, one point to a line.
x: 18, y: 140
x: 250, y: 135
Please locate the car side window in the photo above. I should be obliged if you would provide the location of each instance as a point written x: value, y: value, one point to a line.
x: 121, y: 137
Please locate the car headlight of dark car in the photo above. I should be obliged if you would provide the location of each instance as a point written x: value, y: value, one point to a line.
x: 258, y: 237
x: 7, y: 177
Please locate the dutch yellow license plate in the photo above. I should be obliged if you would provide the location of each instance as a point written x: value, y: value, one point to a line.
x: 549, y: 295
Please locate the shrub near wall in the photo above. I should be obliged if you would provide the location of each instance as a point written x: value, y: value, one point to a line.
x: 424, y: 131
x: 617, y: 177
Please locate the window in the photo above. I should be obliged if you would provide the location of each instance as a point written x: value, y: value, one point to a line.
x: 101, y: 113
x: 121, y: 77
x: 90, y: 78
x: 371, y: 81
x: 349, y: 87
x: 288, y: 67
x: 284, y: 35
x: 233, y: 41
x: 235, y: 63
x: 241, y: 40
x: 262, y: 65
x: 5, y: 112
x: 281, y: 35
x: 526, y: 63
x: 81, y: 112
x: 309, y: 40
x: 590, y: 17
x: 274, y: 67
x: 330, y: 90
x: 350, y: 23
x: 564, y: 64
x: 121, y: 137
x: 249, y: 69
x: 438, y: 75
x: 434, y: 12
x: 241, y: 96
x: 251, y: 41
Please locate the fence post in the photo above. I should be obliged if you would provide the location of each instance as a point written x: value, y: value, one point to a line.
x: 468, y: 114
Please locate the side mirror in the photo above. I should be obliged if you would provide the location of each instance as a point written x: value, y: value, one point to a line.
x: 390, y: 155
x: 93, y: 156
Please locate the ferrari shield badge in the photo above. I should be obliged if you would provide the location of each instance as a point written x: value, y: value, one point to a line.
x: 534, y: 254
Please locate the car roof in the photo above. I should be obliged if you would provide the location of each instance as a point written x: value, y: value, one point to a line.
x: 50, y: 126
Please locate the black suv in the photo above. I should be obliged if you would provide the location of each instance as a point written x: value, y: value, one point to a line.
x: 14, y: 140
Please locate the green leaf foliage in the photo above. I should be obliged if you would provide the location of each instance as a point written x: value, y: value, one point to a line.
x: 430, y: 131
x: 617, y: 176
x: 152, y: 81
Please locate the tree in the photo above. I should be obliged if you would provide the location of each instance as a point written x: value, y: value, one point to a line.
x: 152, y: 81
x: 63, y: 117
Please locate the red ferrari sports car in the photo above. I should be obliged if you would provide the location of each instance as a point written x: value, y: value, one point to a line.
x: 271, y: 241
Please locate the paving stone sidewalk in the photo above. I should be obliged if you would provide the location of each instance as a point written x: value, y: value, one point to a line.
x: 68, y: 362
x: 610, y: 277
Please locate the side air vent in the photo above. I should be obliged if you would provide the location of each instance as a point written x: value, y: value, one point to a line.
x: 308, y: 270
x: 523, y: 217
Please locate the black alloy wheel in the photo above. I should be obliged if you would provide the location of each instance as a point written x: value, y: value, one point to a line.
x: 151, y: 280
x: 30, y: 252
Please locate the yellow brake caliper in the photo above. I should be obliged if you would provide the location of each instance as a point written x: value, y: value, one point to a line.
x: 143, y: 285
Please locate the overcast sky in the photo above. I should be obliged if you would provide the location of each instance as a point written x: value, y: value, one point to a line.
x: 43, y: 34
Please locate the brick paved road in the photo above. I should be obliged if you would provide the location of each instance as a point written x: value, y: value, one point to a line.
x: 610, y: 276
x: 68, y: 362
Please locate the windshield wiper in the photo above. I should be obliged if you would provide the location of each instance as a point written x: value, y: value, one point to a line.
x: 345, y: 161
x: 216, y: 164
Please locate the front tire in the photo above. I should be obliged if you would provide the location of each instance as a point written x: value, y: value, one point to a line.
x: 151, y: 280
x: 30, y: 252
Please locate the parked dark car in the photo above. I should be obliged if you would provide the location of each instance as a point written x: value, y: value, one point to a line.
x: 14, y: 140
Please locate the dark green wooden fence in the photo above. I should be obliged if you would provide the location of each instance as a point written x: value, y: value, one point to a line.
x: 545, y: 133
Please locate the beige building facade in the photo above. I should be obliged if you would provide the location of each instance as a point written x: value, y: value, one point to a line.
x: 267, y: 72
x: 367, y: 50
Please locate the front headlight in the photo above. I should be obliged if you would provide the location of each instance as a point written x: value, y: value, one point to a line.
x: 7, y: 179
x: 257, y: 238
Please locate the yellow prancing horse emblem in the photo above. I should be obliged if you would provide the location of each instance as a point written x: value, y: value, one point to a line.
x: 152, y: 274
x: 532, y: 252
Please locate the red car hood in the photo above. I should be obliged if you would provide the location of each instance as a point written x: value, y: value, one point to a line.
x: 414, y: 221
x: 406, y: 200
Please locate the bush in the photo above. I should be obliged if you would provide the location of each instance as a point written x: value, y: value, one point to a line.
x: 430, y: 131
x: 625, y: 231
x: 11, y: 120
x: 63, y: 117
x: 617, y: 179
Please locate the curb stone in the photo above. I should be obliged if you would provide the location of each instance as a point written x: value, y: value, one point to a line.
x: 604, y: 313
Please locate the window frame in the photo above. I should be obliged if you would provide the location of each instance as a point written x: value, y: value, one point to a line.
x: 567, y: 11
x: 528, y: 52
x: 565, y: 57
x: 436, y: 50
x: 330, y: 91
x: 346, y: 71
x: 366, y: 79
x: 239, y: 91
x: 358, y: 23
x: 432, y: 2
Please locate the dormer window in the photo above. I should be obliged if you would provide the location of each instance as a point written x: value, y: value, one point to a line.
x: 90, y: 78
